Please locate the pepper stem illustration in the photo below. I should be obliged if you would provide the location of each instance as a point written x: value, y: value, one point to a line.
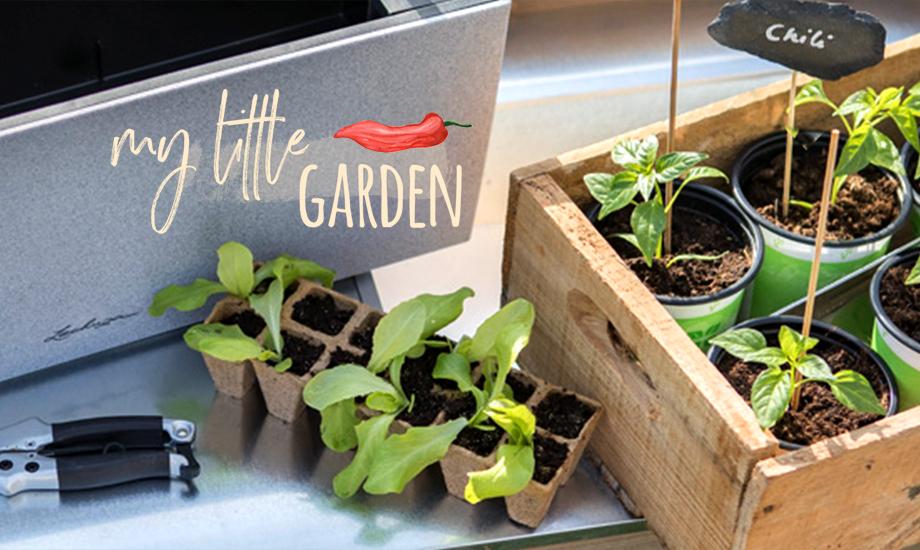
x: 455, y: 123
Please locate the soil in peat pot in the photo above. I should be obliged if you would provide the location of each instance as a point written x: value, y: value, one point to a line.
x: 480, y: 442
x: 549, y: 456
x: 693, y: 233
x: 363, y: 336
x: 820, y: 415
x: 901, y: 302
x: 340, y: 356
x: 563, y: 414
x: 416, y: 380
x: 321, y: 312
x: 250, y: 323
x: 303, y: 353
x: 867, y: 203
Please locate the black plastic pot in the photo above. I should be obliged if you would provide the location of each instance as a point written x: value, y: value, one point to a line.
x: 784, y: 277
x: 770, y: 326
x: 897, y: 349
x: 909, y: 157
x: 686, y: 310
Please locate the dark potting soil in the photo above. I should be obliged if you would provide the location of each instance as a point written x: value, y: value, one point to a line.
x: 321, y: 312
x: 820, y: 415
x: 250, y: 323
x: 693, y: 234
x: 340, y: 356
x: 549, y: 456
x: 302, y: 353
x: 563, y: 414
x: 867, y: 203
x: 416, y: 380
x: 363, y: 337
x: 901, y: 302
x: 521, y: 388
x: 480, y: 442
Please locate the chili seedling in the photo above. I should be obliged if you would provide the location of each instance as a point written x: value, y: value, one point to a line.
x: 773, y: 389
x: 866, y: 144
x: 913, y: 278
x: 644, y: 173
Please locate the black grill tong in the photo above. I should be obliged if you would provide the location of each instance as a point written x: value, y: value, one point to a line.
x: 95, y: 452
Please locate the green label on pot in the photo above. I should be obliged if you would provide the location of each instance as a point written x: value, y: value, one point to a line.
x: 703, y: 321
x: 903, y: 362
x: 783, y: 279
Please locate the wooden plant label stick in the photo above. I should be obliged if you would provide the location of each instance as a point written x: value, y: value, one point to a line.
x: 819, y: 246
x: 790, y: 140
x: 672, y: 117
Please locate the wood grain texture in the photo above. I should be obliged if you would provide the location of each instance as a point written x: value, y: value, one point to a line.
x: 857, y: 490
x: 682, y: 443
x: 677, y: 437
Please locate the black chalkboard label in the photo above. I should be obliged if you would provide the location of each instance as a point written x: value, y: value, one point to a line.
x: 826, y: 40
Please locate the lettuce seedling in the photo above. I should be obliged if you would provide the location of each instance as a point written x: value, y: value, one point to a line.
x: 228, y: 343
x: 866, y: 144
x: 643, y: 175
x: 773, y: 389
x: 385, y: 463
x: 236, y: 276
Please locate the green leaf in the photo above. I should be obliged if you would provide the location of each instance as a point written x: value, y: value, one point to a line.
x: 750, y: 346
x: 416, y: 351
x: 184, y: 298
x: 290, y: 269
x: 511, y: 473
x: 370, y: 437
x: 636, y: 155
x: 268, y: 307
x: 284, y: 365
x: 885, y: 153
x: 383, y: 402
x: 854, y: 391
x: 225, y: 342
x: 515, y: 419
x: 813, y: 92
x: 770, y: 396
x: 343, y: 382
x: 857, y: 153
x: 630, y: 238
x: 516, y: 315
x: 915, y: 89
x: 337, y: 426
x: 234, y: 268
x: 906, y: 121
x: 442, y: 310
x: 794, y: 344
x: 454, y: 366
x: 816, y: 368
x: 672, y: 165
x: 648, y: 221
x: 612, y: 191
x: 859, y: 102
x: 890, y: 98
x: 646, y: 183
x: 400, y: 458
x: 704, y: 172
x: 398, y: 331
x: 913, y: 278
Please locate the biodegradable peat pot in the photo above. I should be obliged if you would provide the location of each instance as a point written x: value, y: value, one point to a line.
x: 234, y: 378
x: 703, y: 317
x: 909, y: 157
x: 897, y: 348
x: 788, y: 256
x: 321, y: 328
x: 680, y: 441
x: 832, y: 340
x: 559, y: 445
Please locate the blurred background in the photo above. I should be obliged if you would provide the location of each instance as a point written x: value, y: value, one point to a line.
x: 577, y: 72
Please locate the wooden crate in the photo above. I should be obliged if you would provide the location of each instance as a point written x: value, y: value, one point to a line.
x: 684, y: 446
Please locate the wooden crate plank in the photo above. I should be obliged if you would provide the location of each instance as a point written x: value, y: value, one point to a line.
x: 857, y: 490
x: 679, y: 439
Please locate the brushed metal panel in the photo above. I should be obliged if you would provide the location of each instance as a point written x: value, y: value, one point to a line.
x: 80, y: 257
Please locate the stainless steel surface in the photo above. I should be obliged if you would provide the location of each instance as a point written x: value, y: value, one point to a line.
x: 262, y: 483
x: 16, y: 479
x: 25, y: 435
x: 84, y: 259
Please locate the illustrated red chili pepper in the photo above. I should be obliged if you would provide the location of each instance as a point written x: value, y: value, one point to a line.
x: 370, y: 134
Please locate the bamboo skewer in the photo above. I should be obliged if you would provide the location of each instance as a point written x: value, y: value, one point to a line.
x: 819, y: 246
x: 790, y: 139
x: 672, y: 116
